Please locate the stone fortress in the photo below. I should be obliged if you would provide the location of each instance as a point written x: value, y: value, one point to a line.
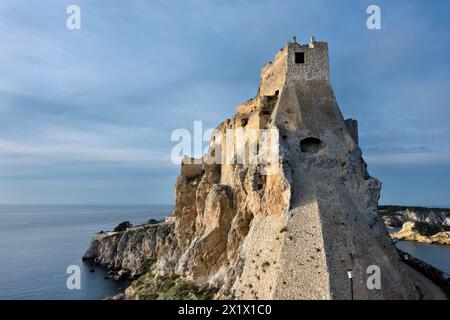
x: 294, y: 234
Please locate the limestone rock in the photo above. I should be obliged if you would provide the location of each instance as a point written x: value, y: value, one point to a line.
x: 288, y: 226
x: 128, y: 252
x: 393, y: 221
x: 293, y: 233
x: 396, y: 218
x: 423, y: 232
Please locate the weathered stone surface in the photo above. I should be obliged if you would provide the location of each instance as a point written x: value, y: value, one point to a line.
x: 393, y: 221
x: 295, y: 233
x: 396, y: 218
x: 290, y: 234
x: 128, y: 252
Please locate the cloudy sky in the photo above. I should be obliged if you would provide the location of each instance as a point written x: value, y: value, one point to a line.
x: 86, y: 115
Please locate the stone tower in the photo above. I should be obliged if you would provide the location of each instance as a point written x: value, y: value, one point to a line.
x: 294, y: 234
x: 295, y: 62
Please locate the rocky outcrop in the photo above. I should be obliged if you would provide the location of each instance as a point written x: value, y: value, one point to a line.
x: 290, y: 227
x: 423, y: 232
x: 426, y: 225
x: 393, y: 221
x: 283, y: 218
x: 396, y: 216
x: 128, y: 254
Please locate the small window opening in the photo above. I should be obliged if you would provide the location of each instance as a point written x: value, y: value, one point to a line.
x: 299, y: 57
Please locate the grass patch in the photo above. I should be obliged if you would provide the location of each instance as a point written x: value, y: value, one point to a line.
x: 150, y: 287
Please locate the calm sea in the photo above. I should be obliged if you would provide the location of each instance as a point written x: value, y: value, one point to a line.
x: 38, y: 243
x: 434, y: 254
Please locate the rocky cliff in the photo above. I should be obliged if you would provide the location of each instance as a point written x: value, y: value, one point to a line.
x: 396, y: 216
x: 423, y: 232
x: 287, y: 226
x: 129, y: 253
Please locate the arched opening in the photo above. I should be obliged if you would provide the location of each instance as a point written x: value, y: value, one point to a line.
x: 311, y: 144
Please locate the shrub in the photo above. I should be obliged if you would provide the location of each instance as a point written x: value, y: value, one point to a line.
x: 153, y: 221
x: 148, y: 263
x: 123, y: 226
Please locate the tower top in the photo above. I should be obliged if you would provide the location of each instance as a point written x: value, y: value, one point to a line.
x: 295, y: 61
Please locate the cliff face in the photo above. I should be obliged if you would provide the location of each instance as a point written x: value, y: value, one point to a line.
x: 423, y: 232
x: 285, y: 228
x: 130, y: 252
x: 396, y: 218
x: 292, y: 234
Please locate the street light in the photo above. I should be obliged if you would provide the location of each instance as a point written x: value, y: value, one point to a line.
x: 350, y: 276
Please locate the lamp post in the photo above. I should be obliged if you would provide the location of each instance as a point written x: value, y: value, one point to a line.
x: 350, y: 276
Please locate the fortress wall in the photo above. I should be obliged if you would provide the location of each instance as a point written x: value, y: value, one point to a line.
x: 273, y: 75
x: 316, y: 66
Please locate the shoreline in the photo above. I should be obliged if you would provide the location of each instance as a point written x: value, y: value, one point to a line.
x: 426, y: 269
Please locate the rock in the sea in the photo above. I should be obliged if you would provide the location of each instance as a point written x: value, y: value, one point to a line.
x: 423, y: 232
x: 393, y: 221
x: 119, y: 296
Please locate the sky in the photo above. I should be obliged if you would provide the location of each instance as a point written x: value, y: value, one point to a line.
x: 86, y: 115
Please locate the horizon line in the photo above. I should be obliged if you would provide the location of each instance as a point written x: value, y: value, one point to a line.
x: 171, y: 204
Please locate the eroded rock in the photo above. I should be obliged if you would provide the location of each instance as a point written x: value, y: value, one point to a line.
x: 423, y: 232
x: 289, y: 228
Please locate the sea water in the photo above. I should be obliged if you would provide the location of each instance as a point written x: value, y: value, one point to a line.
x: 39, y: 242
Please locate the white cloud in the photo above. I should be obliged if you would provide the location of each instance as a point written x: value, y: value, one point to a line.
x: 105, y: 145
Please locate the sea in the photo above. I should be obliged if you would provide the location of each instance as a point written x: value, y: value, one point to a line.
x: 437, y: 255
x: 38, y: 243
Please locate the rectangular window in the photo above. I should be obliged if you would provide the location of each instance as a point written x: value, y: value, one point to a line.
x: 299, y: 57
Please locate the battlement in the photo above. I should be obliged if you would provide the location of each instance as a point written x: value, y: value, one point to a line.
x: 295, y: 62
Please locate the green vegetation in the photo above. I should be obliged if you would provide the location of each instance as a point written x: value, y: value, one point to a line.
x: 150, y: 287
x: 123, y: 226
x: 153, y: 221
x: 149, y: 263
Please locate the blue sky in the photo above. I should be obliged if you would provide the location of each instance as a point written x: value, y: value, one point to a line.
x: 86, y: 115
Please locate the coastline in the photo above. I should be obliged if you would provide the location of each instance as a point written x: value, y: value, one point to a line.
x: 117, y: 264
